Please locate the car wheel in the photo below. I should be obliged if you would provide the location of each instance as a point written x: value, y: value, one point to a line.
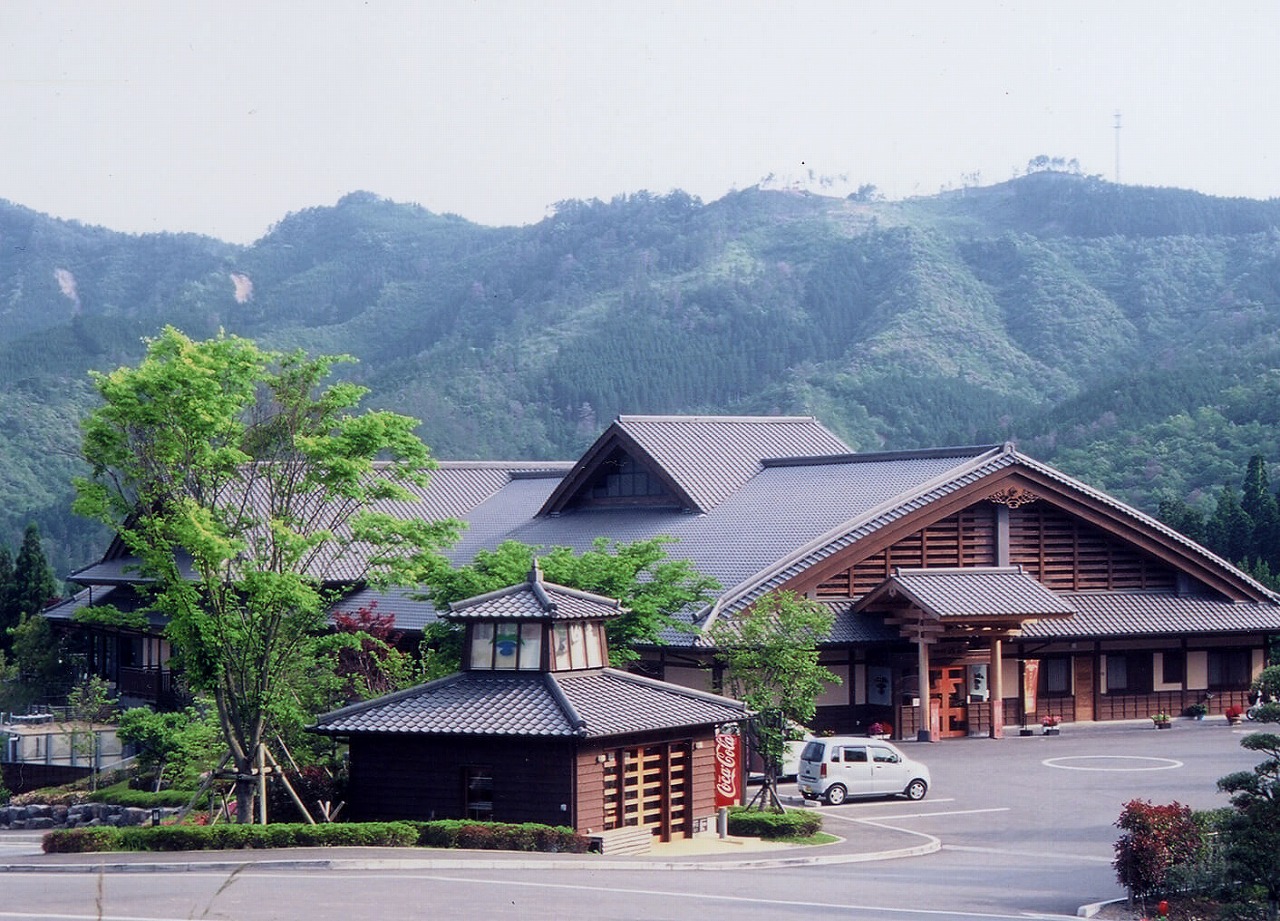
x: 916, y: 789
x: 835, y: 794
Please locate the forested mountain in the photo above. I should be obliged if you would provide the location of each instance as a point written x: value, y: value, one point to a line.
x: 1127, y: 335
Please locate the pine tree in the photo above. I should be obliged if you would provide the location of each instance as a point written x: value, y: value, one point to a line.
x: 1260, y: 505
x: 8, y: 611
x: 1229, y: 530
x: 33, y: 583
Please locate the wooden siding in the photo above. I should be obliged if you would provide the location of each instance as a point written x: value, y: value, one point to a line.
x: 1068, y: 554
x: 421, y: 777
x: 964, y: 539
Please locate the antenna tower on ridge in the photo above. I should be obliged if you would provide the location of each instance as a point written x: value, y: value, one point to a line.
x: 1117, y: 147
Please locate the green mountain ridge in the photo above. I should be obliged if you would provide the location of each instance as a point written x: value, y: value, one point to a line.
x: 1127, y: 335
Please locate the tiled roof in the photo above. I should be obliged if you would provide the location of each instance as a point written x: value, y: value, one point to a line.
x: 534, y: 599
x: 712, y: 456
x: 1141, y: 614
x: 593, y: 704
x: 1004, y: 591
x: 464, y: 704
x: 613, y: 702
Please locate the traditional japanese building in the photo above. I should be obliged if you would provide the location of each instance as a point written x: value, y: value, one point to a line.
x: 973, y: 588
x: 537, y: 728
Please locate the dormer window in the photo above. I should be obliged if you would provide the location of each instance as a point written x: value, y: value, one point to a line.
x: 577, y: 645
x: 506, y: 645
x: 621, y: 480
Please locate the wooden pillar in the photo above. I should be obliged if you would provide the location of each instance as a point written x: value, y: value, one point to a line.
x: 924, y: 718
x: 995, y: 685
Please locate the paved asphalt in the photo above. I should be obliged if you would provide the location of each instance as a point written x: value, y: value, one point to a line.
x: 1020, y: 826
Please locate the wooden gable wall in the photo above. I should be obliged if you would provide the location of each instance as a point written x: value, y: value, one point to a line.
x: 1061, y: 550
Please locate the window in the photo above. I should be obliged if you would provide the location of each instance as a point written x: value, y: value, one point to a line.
x: 849, y: 755
x: 1228, y: 668
x: 884, y: 756
x: 505, y: 646
x: 1173, y: 669
x: 478, y: 792
x: 1117, y: 673
x: 1055, y: 677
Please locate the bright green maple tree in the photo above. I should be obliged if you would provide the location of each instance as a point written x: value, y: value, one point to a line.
x: 245, y: 484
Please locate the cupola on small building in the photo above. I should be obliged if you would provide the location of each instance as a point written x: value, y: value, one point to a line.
x: 537, y: 728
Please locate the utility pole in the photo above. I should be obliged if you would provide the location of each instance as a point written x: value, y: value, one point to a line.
x: 1117, y: 147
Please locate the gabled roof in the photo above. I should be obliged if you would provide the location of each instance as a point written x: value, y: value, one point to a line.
x: 700, y: 459
x: 533, y: 600
x: 971, y: 594
x: 589, y: 704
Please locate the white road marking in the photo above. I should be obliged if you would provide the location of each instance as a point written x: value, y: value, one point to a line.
x: 1161, y: 764
x: 1007, y: 853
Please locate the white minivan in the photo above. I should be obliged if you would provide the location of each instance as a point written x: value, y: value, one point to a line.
x: 837, y: 767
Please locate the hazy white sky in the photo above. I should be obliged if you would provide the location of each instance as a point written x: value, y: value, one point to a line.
x: 222, y: 117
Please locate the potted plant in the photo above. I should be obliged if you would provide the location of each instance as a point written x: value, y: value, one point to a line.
x: 1233, y: 714
x: 1162, y: 720
x: 1197, y: 711
x: 878, y: 730
x: 1050, y: 723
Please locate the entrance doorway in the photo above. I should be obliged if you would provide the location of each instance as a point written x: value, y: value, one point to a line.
x: 949, y: 701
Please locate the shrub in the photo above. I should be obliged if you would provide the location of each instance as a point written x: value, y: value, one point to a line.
x: 122, y: 794
x: 1155, y: 839
x: 753, y: 823
x: 229, y: 837
x: 452, y: 833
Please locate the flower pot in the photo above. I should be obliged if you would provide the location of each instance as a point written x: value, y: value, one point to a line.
x: 1051, y: 730
x: 1164, y: 724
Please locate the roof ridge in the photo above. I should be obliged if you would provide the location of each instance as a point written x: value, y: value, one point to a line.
x: 881, y: 456
x: 715, y: 418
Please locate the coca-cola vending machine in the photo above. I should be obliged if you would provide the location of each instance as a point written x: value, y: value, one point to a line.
x: 728, y: 770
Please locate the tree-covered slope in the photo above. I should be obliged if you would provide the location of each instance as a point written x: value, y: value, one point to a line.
x: 1126, y: 334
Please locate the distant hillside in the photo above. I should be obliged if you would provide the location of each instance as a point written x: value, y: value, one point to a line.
x: 1128, y: 335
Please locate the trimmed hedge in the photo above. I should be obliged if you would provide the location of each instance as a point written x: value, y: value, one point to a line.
x: 495, y: 836
x: 443, y: 834
x: 752, y: 823
x: 229, y: 837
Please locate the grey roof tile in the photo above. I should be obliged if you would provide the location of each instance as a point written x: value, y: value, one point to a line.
x: 1143, y: 614
x: 711, y: 456
x: 976, y: 592
x: 597, y: 703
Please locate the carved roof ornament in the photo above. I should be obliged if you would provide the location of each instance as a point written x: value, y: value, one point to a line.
x: 1013, y: 496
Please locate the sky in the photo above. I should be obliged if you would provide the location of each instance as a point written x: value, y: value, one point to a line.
x: 223, y: 117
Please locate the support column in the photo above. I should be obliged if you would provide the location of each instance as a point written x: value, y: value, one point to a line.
x: 924, y: 718
x: 995, y: 686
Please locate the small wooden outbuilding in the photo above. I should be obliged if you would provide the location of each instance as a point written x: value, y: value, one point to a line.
x: 537, y: 728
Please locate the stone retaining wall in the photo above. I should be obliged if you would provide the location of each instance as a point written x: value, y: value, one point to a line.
x: 81, y: 815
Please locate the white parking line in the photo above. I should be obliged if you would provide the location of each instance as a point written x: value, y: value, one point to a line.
x: 911, y: 815
x: 1020, y: 853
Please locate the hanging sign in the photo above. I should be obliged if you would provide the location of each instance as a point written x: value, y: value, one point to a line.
x: 728, y: 761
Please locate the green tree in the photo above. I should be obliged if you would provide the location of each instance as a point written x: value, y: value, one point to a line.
x: 1259, y: 504
x: 770, y: 654
x: 652, y: 587
x: 1229, y: 530
x: 33, y: 585
x: 1183, y: 518
x: 174, y: 748
x: 40, y: 669
x: 244, y: 484
x: 8, y: 611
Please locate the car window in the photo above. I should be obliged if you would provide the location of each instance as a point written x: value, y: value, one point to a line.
x: 858, y: 754
x: 814, y: 751
x: 884, y: 756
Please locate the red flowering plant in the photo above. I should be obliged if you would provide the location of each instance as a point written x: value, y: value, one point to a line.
x: 1050, y: 720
